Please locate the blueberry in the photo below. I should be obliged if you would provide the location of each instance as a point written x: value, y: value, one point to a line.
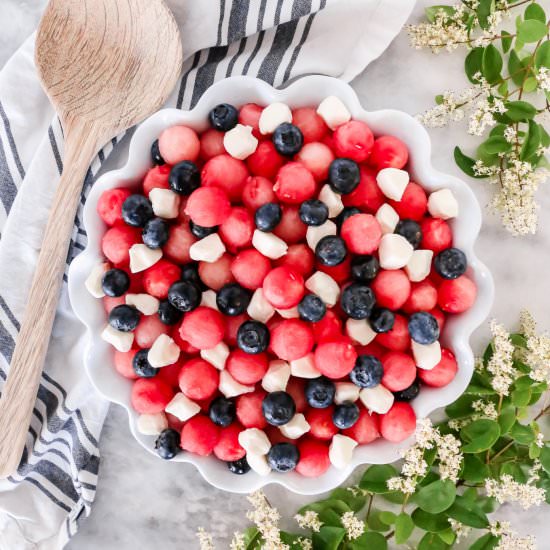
x: 408, y: 394
x: 331, y: 250
x: 268, y: 216
x: 253, y: 337
x: 222, y: 411
x: 345, y: 415
x: 239, y: 467
x: 155, y: 233
x: 288, y: 139
x: 184, y: 295
x: 364, y: 268
x: 320, y: 392
x: 410, y: 230
x: 343, y: 176
x: 141, y: 365
x: 184, y: 177
x: 357, y: 301
x: 311, y: 308
x: 167, y: 444
x: 115, y: 282
x: 381, y: 319
x: 190, y: 272
x: 233, y: 299
x: 283, y: 457
x: 168, y: 314
x: 451, y: 263
x: 367, y: 372
x: 156, y: 157
x: 314, y: 212
x: 278, y: 408
x: 137, y: 210
x: 423, y: 328
x: 200, y: 232
x: 124, y: 318
x: 346, y: 213
x: 223, y: 117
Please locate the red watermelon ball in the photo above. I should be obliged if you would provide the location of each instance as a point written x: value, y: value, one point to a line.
x: 179, y: 143
x: 311, y: 125
x: 246, y: 368
x: 156, y: 178
x: 413, y: 204
x: 124, y: 363
x: 203, y: 327
x: 443, y: 373
x: 321, y: 424
x: 200, y: 435
x: 366, y: 429
x: 283, y: 287
x: 217, y: 274
x: 398, y: 423
x: 314, y: 460
x: 237, y: 229
x: 249, y: 409
x: 198, y: 379
x: 335, y: 359
x: 208, y: 206
x: 456, y: 295
x: 362, y: 233
x: 391, y: 288
x: 150, y: 395
x: 228, y: 447
x: 398, y: 338
x: 388, y: 152
x: 109, y: 205
x: 399, y: 371
x: 257, y: 192
x: 250, y: 268
x: 265, y: 161
x: 291, y: 339
x: 149, y: 328
x: 436, y: 235
x: 117, y: 241
x: 160, y: 277
x: 294, y: 183
x: 353, y: 140
x: 227, y: 173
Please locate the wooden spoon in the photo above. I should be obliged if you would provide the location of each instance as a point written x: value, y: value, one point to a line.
x: 106, y: 65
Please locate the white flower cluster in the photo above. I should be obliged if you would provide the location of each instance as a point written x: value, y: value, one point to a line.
x: 501, y: 364
x: 508, y: 490
x: 309, y: 520
x: 509, y: 540
x: 451, y: 108
x: 305, y: 544
x: 205, y: 539
x: 483, y: 116
x: 537, y: 355
x: 414, y: 465
x: 238, y: 542
x: 486, y: 409
x: 353, y: 525
x: 543, y: 79
x: 534, y: 472
x: 460, y: 530
x: 266, y: 518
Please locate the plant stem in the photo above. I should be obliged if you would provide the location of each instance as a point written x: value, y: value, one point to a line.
x: 503, y: 450
x: 390, y: 535
x: 369, y: 508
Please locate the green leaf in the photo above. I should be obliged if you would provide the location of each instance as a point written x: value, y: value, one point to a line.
x: 530, y: 84
x: 432, y: 523
x: 495, y: 145
x: 328, y: 538
x: 520, y: 110
x: 394, y: 496
x: 355, y: 502
x: 535, y: 11
x: 326, y: 504
x: 506, y: 419
x: 387, y: 517
x: 524, y: 435
x: 474, y: 389
x: 290, y: 539
x: 439, y: 99
x: 465, y: 163
x: 484, y: 10
x: 433, y: 11
x: 251, y: 538
x: 473, y: 63
x: 448, y: 536
x: 375, y: 478
x: 431, y: 541
x: 545, y: 458
x: 370, y: 540
x: 481, y: 435
x: 375, y: 523
x: 437, y: 496
x: 531, y: 142
x: 468, y: 513
x: 520, y: 398
x: 534, y: 451
x: 542, y: 57
x: 404, y: 527
x: 531, y: 31
x: 473, y: 470
x: 491, y: 64
x: 515, y: 68
x: 486, y: 542
x: 506, y: 40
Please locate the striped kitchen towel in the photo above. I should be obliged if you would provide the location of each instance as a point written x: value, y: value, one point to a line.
x: 276, y: 40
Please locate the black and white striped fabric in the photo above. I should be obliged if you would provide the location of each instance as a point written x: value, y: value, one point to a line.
x: 276, y: 40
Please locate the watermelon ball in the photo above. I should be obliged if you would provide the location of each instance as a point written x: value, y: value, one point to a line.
x: 353, y: 140
x: 216, y: 274
x: 249, y: 115
x: 211, y: 144
x: 198, y: 379
x: 320, y: 392
x: 328, y: 328
x: 296, y: 388
x: 250, y: 268
x: 388, y: 152
x: 249, y: 409
x: 265, y: 161
x: 257, y: 191
x: 436, y: 235
x: 367, y: 195
x: 362, y: 233
x: 232, y: 324
x: 232, y: 299
x: 413, y: 204
x: 340, y: 273
x: 278, y: 408
x: 335, y: 359
x: 443, y: 373
x: 366, y: 429
x: 170, y: 374
x: 316, y: 157
x: 178, y: 244
x: 423, y: 297
x: 227, y: 173
x: 320, y: 423
x: 208, y: 206
x: 179, y: 143
x: 456, y: 295
x: 294, y: 183
x: 300, y: 258
x: 343, y: 176
x: 291, y: 228
x: 203, y: 328
x: 200, y: 435
x: 109, y: 205
x: 159, y: 278
x: 149, y: 328
x: 150, y: 395
x: 124, y: 363
x: 117, y: 241
x: 398, y: 338
x: 237, y: 229
x: 398, y: 423
x: 245, y: 368
x: 291, y: 339
x: 314, y: 460
x: 311, y: 125
x: 156, y: 178
x: 228, y: 448
x: 399, y: 371
x: 283, y: 287
x: 391, y: 288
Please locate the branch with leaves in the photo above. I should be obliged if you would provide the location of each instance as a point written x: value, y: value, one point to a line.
x: 491, y: 450
x: 508, y: 102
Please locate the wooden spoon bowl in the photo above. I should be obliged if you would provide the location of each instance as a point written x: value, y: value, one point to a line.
x: 106, y: 65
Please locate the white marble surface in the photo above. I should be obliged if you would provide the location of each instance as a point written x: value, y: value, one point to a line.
x: 142, y: 502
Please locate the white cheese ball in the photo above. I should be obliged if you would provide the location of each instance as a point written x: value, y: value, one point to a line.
x: 333, y: 111
x: 273, y: 115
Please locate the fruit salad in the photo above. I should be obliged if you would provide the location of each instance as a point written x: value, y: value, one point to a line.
x: 276, y: 288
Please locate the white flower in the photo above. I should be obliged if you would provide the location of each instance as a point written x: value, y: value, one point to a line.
x: 537, y: 355
x: 534, y: 472
x: 510, y: 134
x: 205, y: 539
x: 306, y: 544
x: 451, y: 108
x: 539, y: 442
x: 487, y: 410
x: 309, y: 520
x: 482, y: 118
x: 460, y: 530
x: 353, y: 525
x: 543, y: 79
x: 514, y: 542
x: 266, y: 518
x: 501, y: 363
x: 508, y: 490
x: 238, y: 542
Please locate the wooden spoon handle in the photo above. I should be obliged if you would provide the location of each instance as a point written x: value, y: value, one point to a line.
x: 19, y: 392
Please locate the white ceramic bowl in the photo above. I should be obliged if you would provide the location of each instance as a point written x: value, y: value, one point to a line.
x: 307, y: 91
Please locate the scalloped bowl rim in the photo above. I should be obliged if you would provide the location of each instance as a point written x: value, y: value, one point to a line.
x: 303, y: 92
